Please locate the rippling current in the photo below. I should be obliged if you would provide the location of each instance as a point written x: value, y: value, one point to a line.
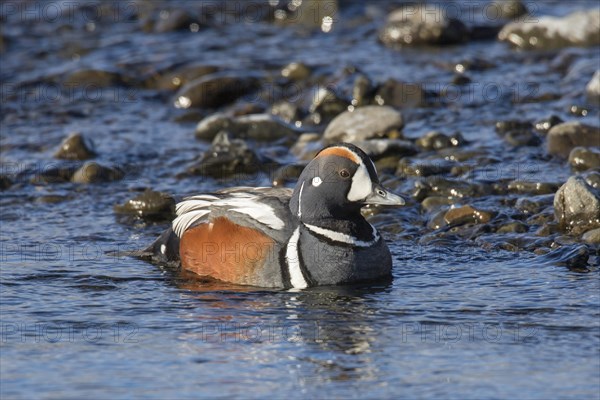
x: 79, y: 320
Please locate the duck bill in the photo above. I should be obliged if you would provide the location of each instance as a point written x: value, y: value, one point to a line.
x: 383, y: 197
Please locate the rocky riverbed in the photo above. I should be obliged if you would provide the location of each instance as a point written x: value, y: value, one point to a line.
x: 485, y: 115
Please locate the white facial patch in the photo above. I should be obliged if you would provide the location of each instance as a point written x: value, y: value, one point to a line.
x: 316, y: 181
x: 361, y: 184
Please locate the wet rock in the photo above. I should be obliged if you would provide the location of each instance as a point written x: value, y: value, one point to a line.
x: 422, y: 25
x: 592, y: 89
x: 326, y: 104
x: 296, y: 71
x: 75, y: 147
x: 577, y: 29
x: 215, y: 90
x: 5, y: 182
x: 593, y: 179
x: 503, y: 127
x: 522, y: 138
x: 54, y: 175
x: 547, y: 229
x: 543, y: 126
x: 227, y: 157
x: 572, y: 256
x: 149, y: 205
x: 533, y: 205
x: 564, y: 137
x: 513, y: 227
x: 364, y: 123
x: 180, y: 77
x: 361, y: 90
x: 460, y: 79
x: 467, y: 214
x: 92, y: 172
x: 584, y: 158
x: 262, y: 127
x: 287, y: 111
x: 85, y: 78
x: 307, y: 146
x: 452, y: 188
x: 423, y: 167
x: 509, y: 9
x: 435, y: 140
x: 577, y: 205
x: 287, y: 174
x: 579, y: 111
x: 399, y: 94
x: 379, y: 148
x: 592, y: 236
x: 174, y: 20
x: 535, y: 188
x: 432, y: 203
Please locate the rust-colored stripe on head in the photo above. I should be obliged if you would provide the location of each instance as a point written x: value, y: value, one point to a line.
x: 341, y: 152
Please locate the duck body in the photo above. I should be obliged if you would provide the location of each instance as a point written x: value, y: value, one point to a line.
x: 282, y: 238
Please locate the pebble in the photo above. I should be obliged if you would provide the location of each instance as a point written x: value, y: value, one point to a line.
x: 75, y: 147
x: 543, y: 126
x: 435, y: 140
x: 296, y: 71
x: 592, y: 236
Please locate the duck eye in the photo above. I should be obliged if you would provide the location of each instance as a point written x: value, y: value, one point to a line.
x: 345, y: 174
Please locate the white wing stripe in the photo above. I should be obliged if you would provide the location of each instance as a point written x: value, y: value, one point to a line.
x: 293, y: 261
x: 193, y: 208
x: 342, y: 237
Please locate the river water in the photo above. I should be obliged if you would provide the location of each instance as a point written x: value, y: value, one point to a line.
x: 461, y: 319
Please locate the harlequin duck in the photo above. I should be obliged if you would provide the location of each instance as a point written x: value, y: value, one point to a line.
x: 273, y: 237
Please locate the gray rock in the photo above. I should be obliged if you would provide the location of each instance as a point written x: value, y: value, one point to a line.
x: 422, y: 25
x: 287, y: 111
x: 150, y: 205
x: 562, y: 138
x: 263, y: 127
x: 364, y: 123
x: 577, y: 205
x: 522, y: 138
x: 75, y: 147
x: 215, y: 90
x: 577, y: 29
x: 92, y: 172
x: 593, y: 89
x: 584, y: 158
x: 593, y: 179
x: 592, y: 236
x: 543, y: 126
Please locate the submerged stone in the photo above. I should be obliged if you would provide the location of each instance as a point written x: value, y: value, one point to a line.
x: 467, y: 214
